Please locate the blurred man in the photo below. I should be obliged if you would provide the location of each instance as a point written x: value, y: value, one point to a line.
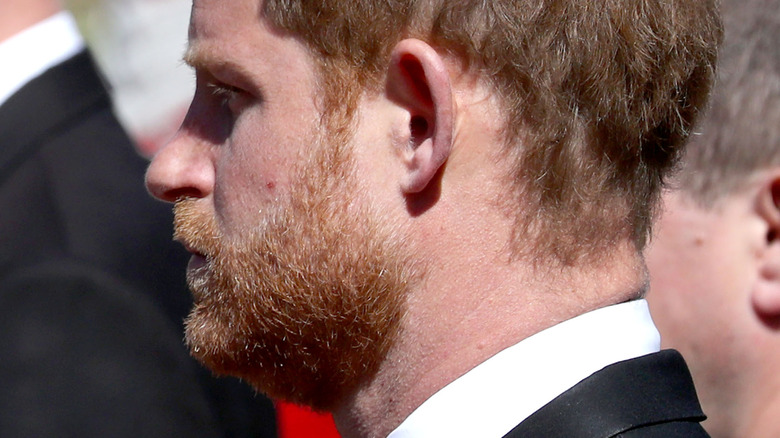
x: 90, y: 303
x: 715, y: 261
x: 426, y: 216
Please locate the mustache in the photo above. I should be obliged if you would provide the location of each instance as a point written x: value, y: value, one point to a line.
x: 195, y: 228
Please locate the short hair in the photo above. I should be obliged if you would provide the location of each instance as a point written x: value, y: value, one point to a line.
x: 599, y: 96
x: 740, y: 134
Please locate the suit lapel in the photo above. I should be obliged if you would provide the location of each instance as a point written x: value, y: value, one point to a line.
x: 49, y: 101
x: 652, y: 389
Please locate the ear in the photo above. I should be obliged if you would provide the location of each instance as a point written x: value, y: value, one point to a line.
x: 419, y: 82
x: 766, y: 293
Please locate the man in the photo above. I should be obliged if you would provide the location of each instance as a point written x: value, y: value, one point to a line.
x: 90, y: 304
x: 714, y: 262
x: 426, y: 216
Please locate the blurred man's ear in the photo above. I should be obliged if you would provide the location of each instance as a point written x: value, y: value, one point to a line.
x: 766, y: 293
x: 419, y: 82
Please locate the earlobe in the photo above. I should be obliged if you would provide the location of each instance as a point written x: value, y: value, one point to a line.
x: 765, y: 293
x: 418, y: 81
x: 766, y: 301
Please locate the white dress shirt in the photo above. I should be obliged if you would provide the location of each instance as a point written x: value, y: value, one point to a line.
x: 493, y: 398
x: 30, y: 53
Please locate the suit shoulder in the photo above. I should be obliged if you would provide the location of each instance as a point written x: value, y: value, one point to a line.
x: 85, y: 355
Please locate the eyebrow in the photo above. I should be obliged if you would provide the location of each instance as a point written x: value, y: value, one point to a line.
x: 206, y: 60
x: 198, y: 58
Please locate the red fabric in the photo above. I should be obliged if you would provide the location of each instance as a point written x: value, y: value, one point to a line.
x: 299, y: 422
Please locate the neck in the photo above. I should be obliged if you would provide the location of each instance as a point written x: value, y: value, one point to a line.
x: 448, y: 330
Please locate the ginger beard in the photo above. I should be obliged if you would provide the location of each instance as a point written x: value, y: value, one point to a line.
x: 306, y: 305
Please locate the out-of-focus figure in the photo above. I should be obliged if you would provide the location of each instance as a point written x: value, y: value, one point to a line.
x: 715, y: 259
x: 139, y: 44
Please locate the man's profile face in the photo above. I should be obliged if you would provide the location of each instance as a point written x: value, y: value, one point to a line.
x: 298, y: 283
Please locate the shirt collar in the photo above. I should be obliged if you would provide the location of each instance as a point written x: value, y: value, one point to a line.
x: 36, y: 49
x: 493, y: 398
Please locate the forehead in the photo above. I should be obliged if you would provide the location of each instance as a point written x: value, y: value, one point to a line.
x: 234, y: 33
x: 209, y: 16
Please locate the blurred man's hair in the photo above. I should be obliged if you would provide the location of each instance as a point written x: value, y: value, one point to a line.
x: 599, y: 96
x: 740, y: 134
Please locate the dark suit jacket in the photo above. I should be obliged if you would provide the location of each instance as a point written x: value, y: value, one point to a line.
x: 648, y: 397
x: 92, y: 292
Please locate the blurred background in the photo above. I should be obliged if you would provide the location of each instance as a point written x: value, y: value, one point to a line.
x: 139, y: 45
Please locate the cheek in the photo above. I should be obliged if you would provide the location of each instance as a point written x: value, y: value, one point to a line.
x: 245, y: 185
x: 254, y: 168
x: 697, y: 289
x: 671, y: 288
x: 679, y: 266
x: 264, y: 149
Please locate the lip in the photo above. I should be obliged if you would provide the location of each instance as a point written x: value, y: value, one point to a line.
x: 197, y: 275
x: 197, y: 261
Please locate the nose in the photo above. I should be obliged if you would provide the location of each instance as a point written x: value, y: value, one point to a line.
x: 183, y: 168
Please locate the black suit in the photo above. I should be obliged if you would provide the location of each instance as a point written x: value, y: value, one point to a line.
x: 648, y: 397
x: 91, y: 287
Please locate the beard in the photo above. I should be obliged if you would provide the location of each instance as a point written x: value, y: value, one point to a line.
x: 305, y: 305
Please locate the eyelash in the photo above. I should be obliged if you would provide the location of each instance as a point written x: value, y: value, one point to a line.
x: 225, y: 93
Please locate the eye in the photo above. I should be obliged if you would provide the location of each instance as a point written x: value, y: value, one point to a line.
x: 225, y: 94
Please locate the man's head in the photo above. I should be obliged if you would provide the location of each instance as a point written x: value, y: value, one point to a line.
x: 357, y: 172
x: 715, y: 260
